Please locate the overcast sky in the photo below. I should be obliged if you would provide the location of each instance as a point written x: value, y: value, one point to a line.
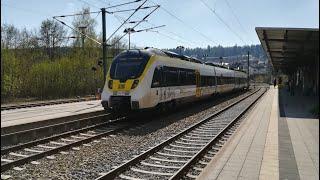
x: 191, y: 23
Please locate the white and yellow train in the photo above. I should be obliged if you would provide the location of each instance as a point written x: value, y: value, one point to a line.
x: 149, y: 78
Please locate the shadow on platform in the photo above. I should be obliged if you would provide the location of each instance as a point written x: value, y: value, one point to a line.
x: 297, y: 106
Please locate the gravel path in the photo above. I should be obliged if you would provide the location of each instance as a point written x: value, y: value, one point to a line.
x: 113, y: 150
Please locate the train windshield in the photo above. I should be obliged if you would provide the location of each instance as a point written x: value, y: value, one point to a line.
x: 128, y: 65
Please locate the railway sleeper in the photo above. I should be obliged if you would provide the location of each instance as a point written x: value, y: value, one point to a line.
x: 128, y: 177
x: 159, y: 165
x: 174, y: 155
x: 180, y: 151
x: 167, y: 160
x: 185, y: 147
x: 193, y: 140
x: 194, y: 144
x: 150, y: 172
x: 197, y: 137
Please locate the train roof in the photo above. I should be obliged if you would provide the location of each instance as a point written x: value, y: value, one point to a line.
x: 154, y: 51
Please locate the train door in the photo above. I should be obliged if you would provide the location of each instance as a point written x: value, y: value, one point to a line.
x: 158, y: 83
x: 198, y: 84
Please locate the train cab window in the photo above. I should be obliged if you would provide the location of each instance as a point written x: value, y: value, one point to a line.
x: 128, y: 65
x: 156, y: 80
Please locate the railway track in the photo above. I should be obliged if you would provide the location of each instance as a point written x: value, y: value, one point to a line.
x: 187, y: 153
x: 11, y: 138
x: 31, y: 151
x: 19, y: 106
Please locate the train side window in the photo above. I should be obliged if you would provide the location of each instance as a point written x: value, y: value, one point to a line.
x: 182, y: 77
x: 204, y: 81
x: 210, y: 80
x: 191, y: 77
x: 171, y: 76
x: 221, y: 80
x: 156, y: 80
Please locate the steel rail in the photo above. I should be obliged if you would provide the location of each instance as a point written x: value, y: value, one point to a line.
x: 62, y: 135
x: 29, y: 158
x: 113, y: 173
x: 53, y: 128
x: 213, y: 141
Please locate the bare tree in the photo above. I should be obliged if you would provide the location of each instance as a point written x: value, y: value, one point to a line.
x: 85, y: 24
x: 51, y: 35
x: 9, y: 36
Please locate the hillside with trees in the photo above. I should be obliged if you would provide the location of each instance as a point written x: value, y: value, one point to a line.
x: 46, y: 63
x: 219, y: 51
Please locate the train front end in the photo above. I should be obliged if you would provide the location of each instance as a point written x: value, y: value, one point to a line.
x: 126, y: 83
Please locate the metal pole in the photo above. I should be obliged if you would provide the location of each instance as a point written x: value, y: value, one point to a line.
x: 129, y: 40
x: 248, y: 72
x: 104, y: 44
x: 82, y: 36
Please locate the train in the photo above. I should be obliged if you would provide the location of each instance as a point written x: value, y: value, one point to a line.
x: 140, y: 79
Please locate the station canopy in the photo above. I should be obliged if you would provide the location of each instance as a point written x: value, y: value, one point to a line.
x: 289, y: 48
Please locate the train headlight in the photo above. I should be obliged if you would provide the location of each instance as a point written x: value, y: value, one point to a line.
x: 110, y: 83
x: 135, y: 84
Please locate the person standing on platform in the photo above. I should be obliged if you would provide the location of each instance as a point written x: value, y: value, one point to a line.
x: 274, y: 82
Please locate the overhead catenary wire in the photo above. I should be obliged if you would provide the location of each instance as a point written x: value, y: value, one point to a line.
x: 118, y: 5
x: 175, y: 34
x: 89, y: 4
x: 221, y: 20
x: 183, y: 40
x: 169, y: 37
x: 121, y: 20
x: 133, y: 9
x: 136, y: 24
x: 186, y: 24
x: 148, y: 29
x: 79, y: 14
x: 77, y: 31
x: 126, y: 20
x: 237, y: 19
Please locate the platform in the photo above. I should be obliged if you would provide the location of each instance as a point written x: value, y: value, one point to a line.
x: 35, y: 114
x: 279, y: 139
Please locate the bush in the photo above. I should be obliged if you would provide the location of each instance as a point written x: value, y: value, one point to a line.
x: 32, y: 74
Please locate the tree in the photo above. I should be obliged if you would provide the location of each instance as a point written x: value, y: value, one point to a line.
x: 85, y: 24
x: 51, y: 35
x: 9, y: 36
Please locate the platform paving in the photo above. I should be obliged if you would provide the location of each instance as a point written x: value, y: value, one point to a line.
x: 34, y: 114
x: 271, y: 143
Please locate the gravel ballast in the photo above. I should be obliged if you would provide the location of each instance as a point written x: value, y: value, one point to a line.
x: 103, y: 155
